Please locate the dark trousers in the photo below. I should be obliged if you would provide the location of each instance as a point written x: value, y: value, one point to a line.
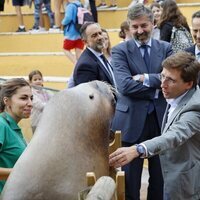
x: 133, y: 170
x: 2, y: 5
x: 93, y: 10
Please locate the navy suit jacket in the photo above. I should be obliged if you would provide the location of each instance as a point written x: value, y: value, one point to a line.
x: 134, y: 99
x: 89, y: 68
x: 191, y: 50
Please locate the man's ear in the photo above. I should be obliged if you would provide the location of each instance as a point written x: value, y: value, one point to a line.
x: 189, y: 85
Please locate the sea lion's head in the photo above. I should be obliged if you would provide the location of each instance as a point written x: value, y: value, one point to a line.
x: 106, y: 90
x: 96, y: 100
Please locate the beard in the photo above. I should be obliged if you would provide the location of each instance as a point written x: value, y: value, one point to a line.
x: 98, y: 47
x: 142, y: 37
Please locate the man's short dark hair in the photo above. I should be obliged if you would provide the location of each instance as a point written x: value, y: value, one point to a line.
x: 83, y: 29
x: 186, y: 63
x: 196, y: 14
x: 139, y: 10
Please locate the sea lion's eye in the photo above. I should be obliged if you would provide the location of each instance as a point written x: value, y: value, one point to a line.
x: 91, y: 96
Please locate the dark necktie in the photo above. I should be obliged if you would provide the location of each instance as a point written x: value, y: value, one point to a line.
x: 146, y: 56
x: 167, y: 112
x: 108, y: 67
x: 147, y: 62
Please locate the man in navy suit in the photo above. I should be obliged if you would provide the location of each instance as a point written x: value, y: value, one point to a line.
x: 195, y: 49
x: 91, y: 66
x: 141, y: 105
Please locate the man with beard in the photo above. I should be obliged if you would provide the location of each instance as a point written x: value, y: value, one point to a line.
x: 141, y: 105
x: 92, y: 64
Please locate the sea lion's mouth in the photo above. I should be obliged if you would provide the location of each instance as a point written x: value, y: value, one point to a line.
x: 114, y: 100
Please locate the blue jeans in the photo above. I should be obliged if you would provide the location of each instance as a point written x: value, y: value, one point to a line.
x: 38, y: 8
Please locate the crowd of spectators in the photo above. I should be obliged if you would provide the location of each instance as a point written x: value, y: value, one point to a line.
x: 55, y: 15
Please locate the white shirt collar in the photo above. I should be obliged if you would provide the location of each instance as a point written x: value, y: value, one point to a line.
x: 97, y: 54
x: 138, y: 43
x: 196, y: 50
x: 174, y: 102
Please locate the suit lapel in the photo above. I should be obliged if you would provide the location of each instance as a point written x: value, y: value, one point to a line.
x: 178, y: 109
x: 105, y: 71
x: 100, y: 65
x: 136, y: 57
x: 156, y: 56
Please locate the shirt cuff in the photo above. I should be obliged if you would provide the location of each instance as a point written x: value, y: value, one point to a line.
x: 157, y: 94
x: 146, y: 80
x: 144, y: 151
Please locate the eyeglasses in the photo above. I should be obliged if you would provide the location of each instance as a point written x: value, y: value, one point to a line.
x: 167, y: 79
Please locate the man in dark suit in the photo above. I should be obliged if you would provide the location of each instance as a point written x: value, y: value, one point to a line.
x: 141, y: 105
x: 195, y: 49
x: 178, y: 146
x: 92, y: 65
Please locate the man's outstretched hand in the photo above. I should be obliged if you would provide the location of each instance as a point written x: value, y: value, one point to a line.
x: 123, y: 156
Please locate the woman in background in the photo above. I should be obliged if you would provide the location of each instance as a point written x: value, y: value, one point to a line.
x: 171, y: 16
x: 107, y: 45
x: 156, y: 10
x: 124, y: 32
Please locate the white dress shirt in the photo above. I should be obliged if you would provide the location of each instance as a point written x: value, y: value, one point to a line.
x: 197, y: 53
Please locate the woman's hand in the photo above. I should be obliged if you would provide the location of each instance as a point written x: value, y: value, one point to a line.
x: 4, y: 173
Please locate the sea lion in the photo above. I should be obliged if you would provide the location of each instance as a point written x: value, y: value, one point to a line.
x: 70, y: 140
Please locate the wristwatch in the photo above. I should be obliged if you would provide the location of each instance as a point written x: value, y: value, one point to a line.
x: 140, y: 149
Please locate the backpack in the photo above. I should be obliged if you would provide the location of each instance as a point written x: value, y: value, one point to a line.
x: 83, y: 16
x: 180, y: 39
